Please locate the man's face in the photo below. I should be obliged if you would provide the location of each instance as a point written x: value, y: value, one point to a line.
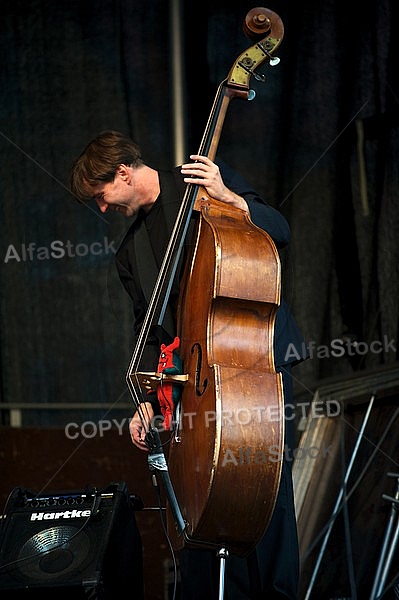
x: 117, y: 195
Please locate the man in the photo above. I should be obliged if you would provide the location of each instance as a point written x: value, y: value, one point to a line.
x: 111, y: 171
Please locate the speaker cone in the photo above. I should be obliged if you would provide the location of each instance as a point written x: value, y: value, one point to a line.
x: 53, y: 552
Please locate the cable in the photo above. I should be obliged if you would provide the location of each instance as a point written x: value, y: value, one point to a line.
x: 164, y: 528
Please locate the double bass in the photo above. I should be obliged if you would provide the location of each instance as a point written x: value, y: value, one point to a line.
x: 221, y: 477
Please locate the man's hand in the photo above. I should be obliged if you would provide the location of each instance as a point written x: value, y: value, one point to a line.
x: 206, y: 173
x: 140, y: 424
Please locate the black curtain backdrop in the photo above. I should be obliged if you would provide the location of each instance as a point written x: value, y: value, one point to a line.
x: 320, y: 141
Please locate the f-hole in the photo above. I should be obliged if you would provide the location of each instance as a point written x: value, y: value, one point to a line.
x: 197, y: 347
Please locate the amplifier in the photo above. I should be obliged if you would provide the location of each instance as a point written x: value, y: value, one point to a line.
x: 86, y: 542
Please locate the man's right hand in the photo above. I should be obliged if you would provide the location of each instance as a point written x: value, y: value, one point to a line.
x: 140, y: 424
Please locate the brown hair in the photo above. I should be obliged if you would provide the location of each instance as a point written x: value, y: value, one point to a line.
x: 99, y: 162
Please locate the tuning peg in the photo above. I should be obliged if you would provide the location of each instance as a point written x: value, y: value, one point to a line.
x: 251, y: 94
x: 260, y: 77
x: 274, y: 60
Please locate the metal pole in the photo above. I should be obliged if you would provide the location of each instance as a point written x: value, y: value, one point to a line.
x: 178, y: 95
x: 222, y: 554
x: 389, y: 544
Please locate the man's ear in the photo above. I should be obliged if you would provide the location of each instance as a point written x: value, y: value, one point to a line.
x: 123, y: 172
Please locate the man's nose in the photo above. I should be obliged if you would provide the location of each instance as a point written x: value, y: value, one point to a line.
x: 102, y: 205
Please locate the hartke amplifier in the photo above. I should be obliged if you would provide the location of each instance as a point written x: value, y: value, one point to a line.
x: 83, y: 543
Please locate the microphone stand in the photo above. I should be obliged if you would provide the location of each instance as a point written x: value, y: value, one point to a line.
x: 389, y: 543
